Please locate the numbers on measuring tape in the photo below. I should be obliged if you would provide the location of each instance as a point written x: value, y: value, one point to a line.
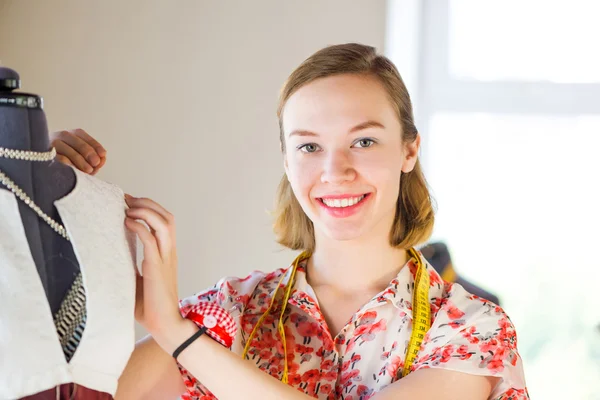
x: 421, y: 313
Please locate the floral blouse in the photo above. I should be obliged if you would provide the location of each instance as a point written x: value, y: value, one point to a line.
x: 468, y: 334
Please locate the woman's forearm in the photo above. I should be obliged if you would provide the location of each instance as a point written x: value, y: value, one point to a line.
x: 150, y: 374
x: 225, y: 374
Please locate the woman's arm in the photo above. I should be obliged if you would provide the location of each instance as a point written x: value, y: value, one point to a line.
x: 225, y: 374
x: 228, y: 376
x: 434, y: 384
x: 150, y: 374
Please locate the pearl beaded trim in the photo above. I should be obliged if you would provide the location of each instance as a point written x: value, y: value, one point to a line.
x: 6, y: 181
x: 13, y: 187
x: 27, y: 155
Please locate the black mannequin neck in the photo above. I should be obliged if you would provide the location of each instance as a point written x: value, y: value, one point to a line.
x: 19, y: 129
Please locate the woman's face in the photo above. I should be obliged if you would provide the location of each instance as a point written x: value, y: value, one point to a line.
x: 344, y: 155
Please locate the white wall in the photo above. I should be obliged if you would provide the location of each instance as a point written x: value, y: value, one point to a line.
x: 183, y: 96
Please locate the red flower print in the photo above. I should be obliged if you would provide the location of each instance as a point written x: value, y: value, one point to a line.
x: 297, y: 318
x: 456, y: 324
x: 325, y: 351
x: 304, y: 349
x: 242, y: 299
x: 440, y: 355
x: 294, y: 379
x: 395, y: 364
x: 326, y: 365
x: 308, y: 329
x: 329, y: 376
x: 368, y: 331
x: 276, y: 370
x: 311, y: 376
x: 325, y: 388
x: 469, y: 335
x: 265, y: 354
x: 435, y: 304
x: 412, y: 266
x: 453, y: 312
x: 496, y: 365
x: 489, y: 346
x: 464, y: 352
x: 434, y: 279
x: 514, y: 394
x: 349, y: 377
x: 367, y: 318
x: 364, y: 392
x: 386, y: 354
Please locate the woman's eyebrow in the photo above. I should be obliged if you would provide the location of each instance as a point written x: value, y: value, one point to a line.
x: 359, y: 127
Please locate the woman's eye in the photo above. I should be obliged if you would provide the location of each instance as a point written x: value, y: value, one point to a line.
x: 309, y: 147
x: 364, y: 143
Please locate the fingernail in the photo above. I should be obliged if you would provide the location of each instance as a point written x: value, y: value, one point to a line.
x: 89, y: 169
x: 94, y: 160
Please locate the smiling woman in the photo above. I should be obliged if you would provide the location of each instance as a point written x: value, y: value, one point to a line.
x: 360, y: 314
x: 351, y: 143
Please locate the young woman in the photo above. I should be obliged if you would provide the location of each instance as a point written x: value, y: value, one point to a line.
x: 347, y: 320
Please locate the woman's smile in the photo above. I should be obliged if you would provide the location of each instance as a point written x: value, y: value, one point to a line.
x: 344, y: 205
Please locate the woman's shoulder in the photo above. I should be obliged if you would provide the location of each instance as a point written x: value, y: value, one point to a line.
x: 237, y: 291
x: 473, y: 335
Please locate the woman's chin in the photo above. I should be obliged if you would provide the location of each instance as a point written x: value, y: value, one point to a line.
x: 343, y: 234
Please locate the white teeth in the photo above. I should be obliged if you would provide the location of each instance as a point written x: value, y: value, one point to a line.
x: 339, y: 203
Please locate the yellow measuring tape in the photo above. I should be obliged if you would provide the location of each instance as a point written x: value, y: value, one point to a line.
x: 421, y: 312
x: 420, y: 304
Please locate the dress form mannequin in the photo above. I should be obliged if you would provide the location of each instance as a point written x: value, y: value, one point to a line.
x: 66, y: 300
x: 25, y: 128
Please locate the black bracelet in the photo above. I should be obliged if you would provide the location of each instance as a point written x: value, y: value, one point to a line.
x: 185, y: 344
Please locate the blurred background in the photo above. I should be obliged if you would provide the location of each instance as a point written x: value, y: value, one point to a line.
x: 506, y: 95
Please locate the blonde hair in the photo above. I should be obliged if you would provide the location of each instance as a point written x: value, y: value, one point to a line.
x: 414, y: 219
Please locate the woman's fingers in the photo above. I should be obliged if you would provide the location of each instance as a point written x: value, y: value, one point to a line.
x: 135, y: 202
x: 98, y: 167
x: 84, y: 152
x: 151, y: 252
x: 98, y: 148
x: 163, y: 231
x: 77, y: 142
x: 76, y: 159
x: 64, y: 160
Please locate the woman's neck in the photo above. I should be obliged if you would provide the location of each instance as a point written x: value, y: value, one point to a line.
x: 350, y: 266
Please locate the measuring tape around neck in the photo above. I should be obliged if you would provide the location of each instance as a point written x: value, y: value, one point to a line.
x: 420, y: 307
x: 421, y: 311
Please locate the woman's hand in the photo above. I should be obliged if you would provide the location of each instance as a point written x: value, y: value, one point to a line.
x: 157, y: 298
x: 78, y: 149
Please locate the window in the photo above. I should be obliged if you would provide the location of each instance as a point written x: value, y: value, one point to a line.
x: 507, y: 98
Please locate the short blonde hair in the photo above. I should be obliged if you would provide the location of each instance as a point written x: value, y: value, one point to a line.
x: 414, y: 219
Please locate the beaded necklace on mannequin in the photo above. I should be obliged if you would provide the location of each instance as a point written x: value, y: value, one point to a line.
x: 21, y: 195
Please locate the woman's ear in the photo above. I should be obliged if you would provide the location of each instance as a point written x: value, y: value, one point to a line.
x: 411, y: 154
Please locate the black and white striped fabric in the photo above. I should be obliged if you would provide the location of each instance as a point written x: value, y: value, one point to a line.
x: 71, y: 317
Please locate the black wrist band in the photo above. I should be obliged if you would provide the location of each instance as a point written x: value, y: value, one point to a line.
x: 185, y: 344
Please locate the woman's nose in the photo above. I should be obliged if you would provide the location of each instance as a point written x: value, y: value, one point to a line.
x: 338, y: 168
